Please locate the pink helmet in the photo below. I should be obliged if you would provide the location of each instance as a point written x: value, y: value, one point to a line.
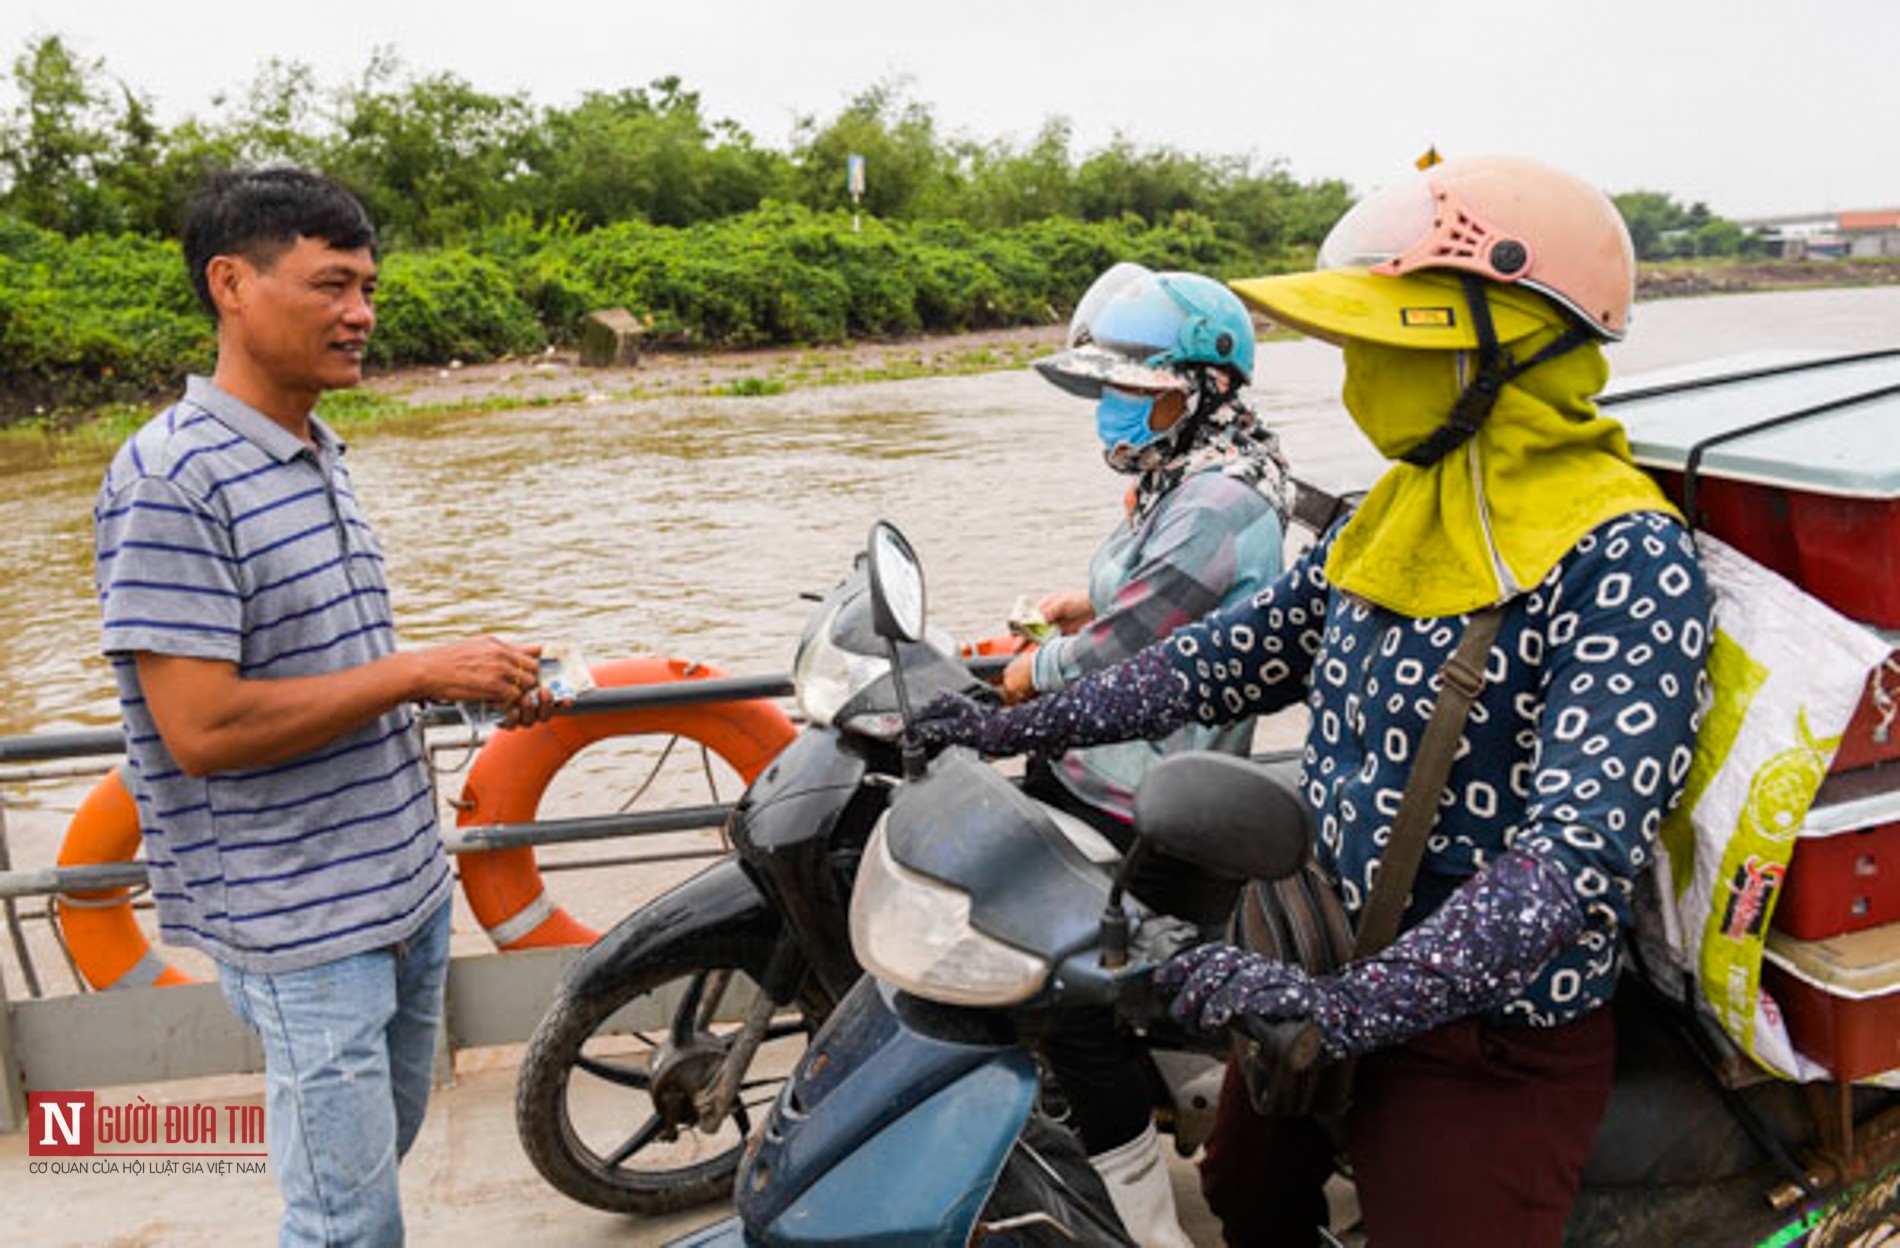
x: 1523, y: 247
x: 1506, y: 219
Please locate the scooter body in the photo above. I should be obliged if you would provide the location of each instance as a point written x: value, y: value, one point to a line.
x: 909, y: 1121
x: 893, y: 1132
x: 913, y: 1130
x: 775, y: 914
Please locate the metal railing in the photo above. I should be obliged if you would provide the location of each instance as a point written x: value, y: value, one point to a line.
x: 46, y: 747
x: 140, y: 1035
x: 153, y: 1034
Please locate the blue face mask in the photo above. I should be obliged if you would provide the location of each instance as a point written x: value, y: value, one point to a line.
x: 1121, y: 419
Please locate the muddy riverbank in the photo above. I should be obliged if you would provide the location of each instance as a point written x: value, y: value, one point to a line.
x: 558, y: 376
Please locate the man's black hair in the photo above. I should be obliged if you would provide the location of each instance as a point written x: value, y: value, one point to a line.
x: 261, y: 213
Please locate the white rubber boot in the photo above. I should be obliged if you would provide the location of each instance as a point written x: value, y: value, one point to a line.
x: 1136, y: 1176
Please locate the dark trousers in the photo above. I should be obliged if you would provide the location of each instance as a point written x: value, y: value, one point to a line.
x: 1470, y: 1136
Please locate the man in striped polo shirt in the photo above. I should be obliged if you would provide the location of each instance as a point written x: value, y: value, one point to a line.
x: 272, y: 742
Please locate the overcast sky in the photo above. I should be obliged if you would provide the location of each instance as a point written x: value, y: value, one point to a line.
x: 1754, y: 108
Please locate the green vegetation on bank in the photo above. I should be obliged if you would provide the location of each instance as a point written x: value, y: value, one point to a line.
x: 505, y: 221
x: 90, y: 319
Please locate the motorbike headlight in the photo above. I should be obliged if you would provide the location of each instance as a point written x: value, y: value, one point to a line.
x: 914, y: 932
x: 825, y: 675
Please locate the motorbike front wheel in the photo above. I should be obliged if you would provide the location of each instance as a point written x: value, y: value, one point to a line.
x: 606, y: 1098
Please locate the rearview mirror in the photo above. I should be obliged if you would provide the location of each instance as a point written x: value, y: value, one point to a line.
x: 1224, y: 814
x: 897, y: 585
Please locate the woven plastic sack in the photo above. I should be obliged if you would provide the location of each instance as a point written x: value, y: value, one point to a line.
x: 1787, y: 673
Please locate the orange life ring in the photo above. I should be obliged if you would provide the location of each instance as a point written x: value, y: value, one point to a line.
x: 509, y: 775
x: 987, y: 647
x: 100, y: 932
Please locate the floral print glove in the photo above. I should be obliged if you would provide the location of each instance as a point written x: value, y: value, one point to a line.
x: 1480, y: 948
x: 1138, y: 698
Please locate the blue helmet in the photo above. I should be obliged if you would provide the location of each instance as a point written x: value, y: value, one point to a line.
x: 1137, y: 329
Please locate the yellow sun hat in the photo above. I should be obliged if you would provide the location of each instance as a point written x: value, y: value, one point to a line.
x: 1425, y: 310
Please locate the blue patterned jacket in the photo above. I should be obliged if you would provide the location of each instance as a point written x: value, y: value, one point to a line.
x: 1577, y: 748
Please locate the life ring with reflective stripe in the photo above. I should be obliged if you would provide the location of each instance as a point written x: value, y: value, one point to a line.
x: 513, y: 768
x: 100, y: 932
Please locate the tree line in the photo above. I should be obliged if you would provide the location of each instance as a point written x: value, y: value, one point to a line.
x: 505, y: 219
x: 436, y: 159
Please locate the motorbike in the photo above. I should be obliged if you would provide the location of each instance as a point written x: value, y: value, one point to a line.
x: 642, y: 1081
x: 912, y: 1117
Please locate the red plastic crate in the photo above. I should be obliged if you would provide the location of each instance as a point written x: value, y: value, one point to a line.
x: 1845, y: 882
x: 1796, y: 463
x: 1840, y: 997
x: 1850, y: 554
x: 1873, y: 734
x: 1754, y: 519
x: 1844, y: 551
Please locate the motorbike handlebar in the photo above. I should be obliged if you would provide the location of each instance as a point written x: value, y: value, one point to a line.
x: 1291, y: 1044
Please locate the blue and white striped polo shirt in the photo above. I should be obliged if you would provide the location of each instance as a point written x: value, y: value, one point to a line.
x: 220, y: 535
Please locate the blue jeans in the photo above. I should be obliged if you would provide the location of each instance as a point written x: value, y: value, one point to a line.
x: 349, y: 1048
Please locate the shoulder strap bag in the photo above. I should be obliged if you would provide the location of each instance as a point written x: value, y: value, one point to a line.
x: 1300, y: 919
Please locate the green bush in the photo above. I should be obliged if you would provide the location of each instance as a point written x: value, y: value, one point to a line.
x: 95, y: 318
x: 786, y: 274
x: 450, y: 305
x: 538, y: 260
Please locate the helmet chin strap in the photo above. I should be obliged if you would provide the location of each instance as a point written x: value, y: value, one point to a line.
x: 1495, y: 369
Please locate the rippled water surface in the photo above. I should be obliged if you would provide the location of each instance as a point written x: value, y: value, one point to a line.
x: 690, y: 527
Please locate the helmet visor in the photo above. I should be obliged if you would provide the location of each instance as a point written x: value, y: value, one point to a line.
x: 1085, y: 370
x: 1131, y: 311
x: 1117, y: 281
x: 1380, y: 227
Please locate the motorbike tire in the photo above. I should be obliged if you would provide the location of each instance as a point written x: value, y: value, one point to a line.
x: 560, y: 1124
x: 1048, y: 1172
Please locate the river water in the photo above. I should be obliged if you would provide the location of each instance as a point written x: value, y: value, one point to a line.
x: 690, y: 527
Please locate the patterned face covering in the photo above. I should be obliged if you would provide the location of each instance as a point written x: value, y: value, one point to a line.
x: 1230, y: 436
x: 1498, y: 512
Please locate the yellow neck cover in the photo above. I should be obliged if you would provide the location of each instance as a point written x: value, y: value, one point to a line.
x: 1494, y: 516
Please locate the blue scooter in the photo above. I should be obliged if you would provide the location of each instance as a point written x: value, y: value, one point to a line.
x: 979, y: 915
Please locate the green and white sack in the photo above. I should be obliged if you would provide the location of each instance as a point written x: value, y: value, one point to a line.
x: 1787, y: 673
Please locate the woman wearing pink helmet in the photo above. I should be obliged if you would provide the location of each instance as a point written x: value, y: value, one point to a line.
x: 1471, y: 303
